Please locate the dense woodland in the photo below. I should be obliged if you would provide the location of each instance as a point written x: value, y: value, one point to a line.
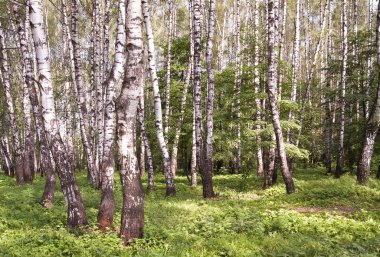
x: 271, y: 99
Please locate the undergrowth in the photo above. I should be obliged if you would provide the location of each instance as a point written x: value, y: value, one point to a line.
x: 325, y: 217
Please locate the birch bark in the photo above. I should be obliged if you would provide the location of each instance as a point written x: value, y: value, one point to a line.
x: 80, y: 95
x: 169, y: 177
x: 206, y: 175
x: 342, y: 118
x: 372, y: 124
x: 76, y: 215
x: 107, y: 168
x: 256, y: 82
x: 132, y: 218
x: 18, y: 151
x: 272, y: 96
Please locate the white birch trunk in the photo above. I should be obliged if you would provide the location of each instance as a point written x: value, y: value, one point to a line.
x: 76, y: 215
x: 132, y: 218
x: 169, y: 177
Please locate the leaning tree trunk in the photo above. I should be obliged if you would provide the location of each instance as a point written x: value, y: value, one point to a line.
x: 19, y: 160
x: 74, y: 49
x: 206, y: 174
x: 132, y: 217
x: 340, y: 154
x: 76, y: 215
x: 169, y: 177
x: 107, y: 168
x: 372, y: 125
x: 46, y: 165
x: 272, y: 96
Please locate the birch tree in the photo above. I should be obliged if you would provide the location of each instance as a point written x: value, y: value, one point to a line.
x: 132, y: 218
x: 76, y: 215
x: 169, y: 177
x: 272, y: 95
x: 206, y: 174
x: 80, y: 95
x: 340, y: 153
x: 260, y: 167
x: 372, y: 124
x: 18, y: 149
x: 183, y: 99
x: 107, y: 168
x: 328, y: 120
x: 238, y: 67
x: 168, y: 66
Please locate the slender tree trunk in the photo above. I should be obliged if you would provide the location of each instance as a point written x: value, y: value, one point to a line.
x: 340, y: 153
x: 19, y: 160
x: 76, y: 215
x: 68, y: 136
x: 256, y: 82
x: 206, y: 174
x: 107, y: 168
x: 168, y: 68
x: 193, y: 155
x: 169, y: 177
x: 29, y: 143
x: 369, y: 62
x: 272, y: 96
x: 238, y: 67
x: 46, y: 164
x: 270, y: 166
x: 7, y: 158
x: 106, y: 42
x: 183, y: 99
x: 145, y: 141
x: 180, y: 118
x: 132, y: 218
x: 372, y: 124
x: 296, y: 60
x: 80, y: 95
x: 99, y: 92
x: 328, y: 118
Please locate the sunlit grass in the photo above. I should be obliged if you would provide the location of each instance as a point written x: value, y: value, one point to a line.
x: 325, y: 217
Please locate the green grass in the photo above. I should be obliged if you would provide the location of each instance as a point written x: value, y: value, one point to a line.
x: 325, y: 217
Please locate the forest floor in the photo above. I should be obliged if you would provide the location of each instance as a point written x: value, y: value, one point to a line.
x: 325, y: 217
